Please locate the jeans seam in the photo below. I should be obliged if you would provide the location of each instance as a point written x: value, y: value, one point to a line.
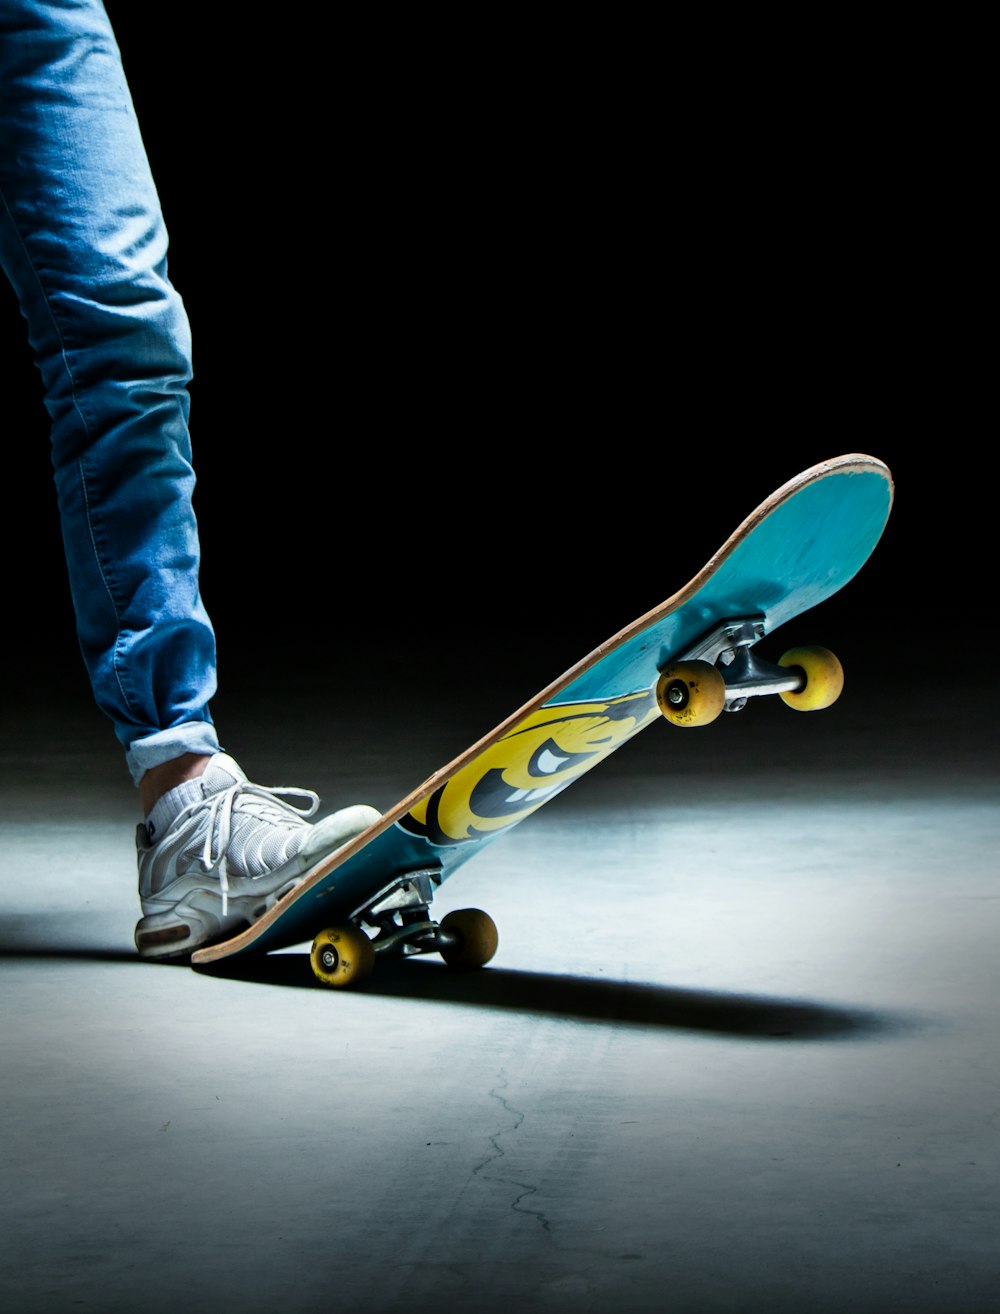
x: 68, y: 370
x: 53, y: 317
x: 103, y: 574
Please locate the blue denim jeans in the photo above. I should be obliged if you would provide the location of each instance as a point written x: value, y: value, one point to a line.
x: 82, y: 241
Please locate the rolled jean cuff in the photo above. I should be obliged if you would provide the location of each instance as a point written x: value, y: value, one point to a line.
x: 165, y: 745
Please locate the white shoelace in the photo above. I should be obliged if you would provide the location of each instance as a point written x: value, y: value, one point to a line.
x: 220, y: 814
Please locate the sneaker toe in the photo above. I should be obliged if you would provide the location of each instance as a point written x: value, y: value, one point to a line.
x: 333, y: 831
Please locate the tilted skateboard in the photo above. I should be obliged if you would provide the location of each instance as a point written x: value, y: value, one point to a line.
x: 688, y: 659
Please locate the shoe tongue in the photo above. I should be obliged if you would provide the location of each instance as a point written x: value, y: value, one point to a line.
x: 220, y: 773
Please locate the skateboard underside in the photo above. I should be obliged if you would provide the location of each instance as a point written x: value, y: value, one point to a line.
x: 800, y: 547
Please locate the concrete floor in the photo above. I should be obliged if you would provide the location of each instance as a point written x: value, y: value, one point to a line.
x: 738, y: 1050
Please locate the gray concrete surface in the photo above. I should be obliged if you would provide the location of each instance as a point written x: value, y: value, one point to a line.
x: 738, y: 1050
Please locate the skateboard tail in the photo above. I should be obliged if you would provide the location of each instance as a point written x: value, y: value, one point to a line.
x: 821, y: 528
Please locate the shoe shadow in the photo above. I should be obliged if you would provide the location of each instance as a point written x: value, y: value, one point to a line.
x: 81, y: 954
x: 585, y: 999
x: 83, y: 936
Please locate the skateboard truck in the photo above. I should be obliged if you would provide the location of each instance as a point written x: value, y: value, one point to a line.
x: 746, y: 674
x: 399, y: 914
x: 720, y: 672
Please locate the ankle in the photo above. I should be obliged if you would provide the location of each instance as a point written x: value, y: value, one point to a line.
x: 158, y: 780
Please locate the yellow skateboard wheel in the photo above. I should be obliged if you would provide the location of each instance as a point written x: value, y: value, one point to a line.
x: 824, y: 678
x: 691, y: 693
x: 342, y: 957
x: 476, y: 938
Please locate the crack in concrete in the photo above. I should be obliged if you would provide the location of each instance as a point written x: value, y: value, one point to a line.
x: 526, y: 1188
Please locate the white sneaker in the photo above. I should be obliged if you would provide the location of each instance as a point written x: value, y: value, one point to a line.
x: 217, y: 852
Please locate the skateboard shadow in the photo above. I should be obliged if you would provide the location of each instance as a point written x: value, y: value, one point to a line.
x: 582, y: 999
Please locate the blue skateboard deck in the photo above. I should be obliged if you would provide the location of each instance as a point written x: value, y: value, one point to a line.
x: 800, y: 546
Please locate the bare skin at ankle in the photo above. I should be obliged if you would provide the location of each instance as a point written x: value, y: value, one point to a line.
x: 159, y: 779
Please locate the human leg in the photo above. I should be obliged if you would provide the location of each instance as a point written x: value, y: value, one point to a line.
x: 83, y: 242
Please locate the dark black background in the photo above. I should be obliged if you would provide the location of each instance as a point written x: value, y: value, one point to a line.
x: 491, y: 340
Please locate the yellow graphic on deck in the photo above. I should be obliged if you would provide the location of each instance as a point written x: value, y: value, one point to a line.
x: 533, y: 762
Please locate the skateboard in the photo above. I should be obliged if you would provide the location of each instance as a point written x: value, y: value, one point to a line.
x: 686, y: 661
